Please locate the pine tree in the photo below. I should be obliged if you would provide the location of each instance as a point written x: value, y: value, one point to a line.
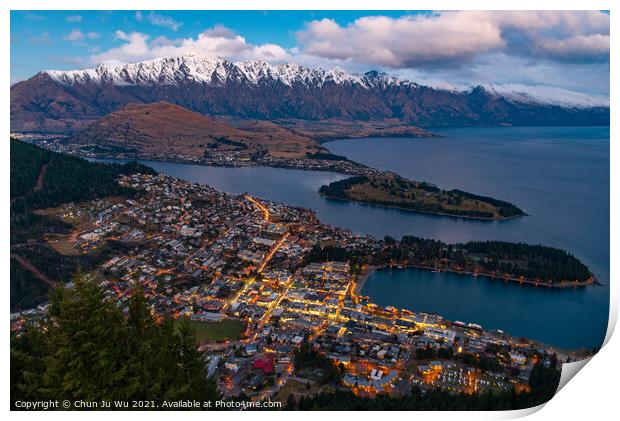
x: 291, y: 403
x: 87, y: 344
x: 87, y: 349
x: 146, y: 376
x: 194, y: 383
x: 27, y: 352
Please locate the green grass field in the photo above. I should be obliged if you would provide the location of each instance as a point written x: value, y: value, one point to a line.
x: 217, y: 331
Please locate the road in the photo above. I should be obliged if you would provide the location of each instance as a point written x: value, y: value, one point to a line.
x: 39, y: 184
x: 30, y: 267
x: 271, y: 252
x: 267, y: 257
x: 260, y: 206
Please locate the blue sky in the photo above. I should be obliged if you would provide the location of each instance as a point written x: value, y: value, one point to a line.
x: 551, y: 51
x: 37, y: 36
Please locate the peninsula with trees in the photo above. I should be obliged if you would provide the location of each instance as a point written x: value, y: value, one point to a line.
x: 391, y: 190
x: 120, y: 261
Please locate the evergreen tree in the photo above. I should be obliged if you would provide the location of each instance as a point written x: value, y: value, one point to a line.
x: 27, y: 352
x: 87, y: 344
x: 150, y: 353
x: 89, y: 350
x: 191, y: 363
x: 291, y: 403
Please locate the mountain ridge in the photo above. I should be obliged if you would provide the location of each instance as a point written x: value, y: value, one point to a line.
x: 67, y: 101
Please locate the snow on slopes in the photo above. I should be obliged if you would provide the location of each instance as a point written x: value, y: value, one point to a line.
x: 548, y: 95
x: 208, y: 70
x: 217, y: 71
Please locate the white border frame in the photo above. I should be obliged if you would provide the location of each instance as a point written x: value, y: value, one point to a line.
x: 592, y: 394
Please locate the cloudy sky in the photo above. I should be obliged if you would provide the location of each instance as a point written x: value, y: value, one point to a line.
x: 553, y: 51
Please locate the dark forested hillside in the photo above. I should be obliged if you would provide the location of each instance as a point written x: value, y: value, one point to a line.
x: 90, y: 350
x: 40, y: 179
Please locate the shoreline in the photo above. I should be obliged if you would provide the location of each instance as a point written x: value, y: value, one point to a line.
x: 474, y: 218
x: 245, y: 164
x: 529, y: 282
x: 345, y: 167
x: 254, y: 164
x: 371, y: 269
x: 576, y: 353
x: 361, y: 280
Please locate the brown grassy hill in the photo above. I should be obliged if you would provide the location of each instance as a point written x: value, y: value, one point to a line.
x: 162, y: 128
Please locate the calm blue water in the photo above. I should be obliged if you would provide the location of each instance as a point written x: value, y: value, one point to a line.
x: 565, y: 318
x: 559, y: 176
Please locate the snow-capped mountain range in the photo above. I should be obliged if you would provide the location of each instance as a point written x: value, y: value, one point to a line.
x: 69, y: 100
x: 216, y: 71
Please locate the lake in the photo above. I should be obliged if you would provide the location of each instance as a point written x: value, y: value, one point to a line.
x: 568, y: 319
x: 558, y: 175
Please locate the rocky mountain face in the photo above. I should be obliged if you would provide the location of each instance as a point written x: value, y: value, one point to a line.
x: 67, y: 101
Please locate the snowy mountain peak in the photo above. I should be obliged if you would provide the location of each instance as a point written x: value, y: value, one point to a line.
x: 215, y: 71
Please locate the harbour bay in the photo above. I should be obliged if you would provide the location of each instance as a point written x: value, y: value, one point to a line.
x: 559, y: 176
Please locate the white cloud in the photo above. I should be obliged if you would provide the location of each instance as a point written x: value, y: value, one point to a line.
x: 563, y: 50
x: 503, y: 69
x: 400, y: 42
x: 576, y: 47
x: 66, y: 59
x: 449, y: 37
x: 74, y: 18
x: 135, y: 48
x: 44, y: 39
x: 32, y: 16
x: 76, y: 35
x: 159, y: 20
x: 218, y: 41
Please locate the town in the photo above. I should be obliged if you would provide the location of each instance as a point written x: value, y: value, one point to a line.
x: 320, y: 162
x: 273, y: 318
